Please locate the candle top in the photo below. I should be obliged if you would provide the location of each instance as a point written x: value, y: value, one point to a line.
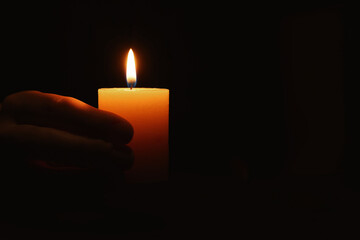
x: 134, y: 89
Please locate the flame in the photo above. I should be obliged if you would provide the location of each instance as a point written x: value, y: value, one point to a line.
x: 131, y: 70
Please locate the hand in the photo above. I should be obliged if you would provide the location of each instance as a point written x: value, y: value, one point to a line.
x: 61, y: 133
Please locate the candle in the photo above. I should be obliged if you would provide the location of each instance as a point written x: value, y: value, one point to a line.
x: 147, y: 109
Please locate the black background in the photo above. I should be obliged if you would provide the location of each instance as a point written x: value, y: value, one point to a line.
x: 265, y: 86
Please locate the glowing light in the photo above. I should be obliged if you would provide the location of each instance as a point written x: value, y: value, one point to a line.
x: 131, y: 70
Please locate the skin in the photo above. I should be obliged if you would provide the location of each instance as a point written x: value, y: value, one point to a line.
x: 61, y: 133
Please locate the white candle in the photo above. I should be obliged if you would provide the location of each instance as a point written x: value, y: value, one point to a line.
x: 147, y: 109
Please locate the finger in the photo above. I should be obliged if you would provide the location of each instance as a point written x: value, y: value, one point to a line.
x: 62, y: 148
x: 67, y: 113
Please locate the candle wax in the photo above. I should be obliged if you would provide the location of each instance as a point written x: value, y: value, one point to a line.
x: 147, y: 109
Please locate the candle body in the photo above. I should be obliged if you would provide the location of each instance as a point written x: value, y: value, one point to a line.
x: 147, y: 109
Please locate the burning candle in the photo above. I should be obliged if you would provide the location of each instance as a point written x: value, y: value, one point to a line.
x: 147, y: 109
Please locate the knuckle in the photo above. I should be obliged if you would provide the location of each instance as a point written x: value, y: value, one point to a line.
x: 55, y: 102
x: 58, y: 101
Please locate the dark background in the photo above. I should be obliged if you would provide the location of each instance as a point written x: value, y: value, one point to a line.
x: 258, y: 91
x: 268, y: 84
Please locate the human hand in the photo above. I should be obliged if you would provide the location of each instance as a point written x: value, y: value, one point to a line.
x: 62, y: 133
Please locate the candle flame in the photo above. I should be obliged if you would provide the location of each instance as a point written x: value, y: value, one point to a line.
x: 130, y: 70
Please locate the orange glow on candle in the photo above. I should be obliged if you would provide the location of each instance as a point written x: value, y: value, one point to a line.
x: 131, y: 70
x: 147, y: 109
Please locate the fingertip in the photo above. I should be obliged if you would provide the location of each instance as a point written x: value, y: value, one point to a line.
x: 125, y: 132
x: 131, y: 133
x: 115, y: 128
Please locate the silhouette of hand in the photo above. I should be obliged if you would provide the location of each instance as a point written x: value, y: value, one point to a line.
x: 62, y: 133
